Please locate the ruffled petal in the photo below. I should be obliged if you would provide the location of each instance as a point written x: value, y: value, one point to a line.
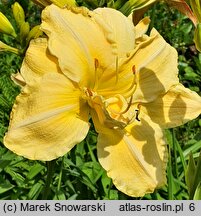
x: 142, y: 27
x: 38, y: 61
x: 117, y: 28
x: 47, y: 120
x: 154, y: 65
x: 77, y: 41
x: 175, y: 108
x: 136, y: 158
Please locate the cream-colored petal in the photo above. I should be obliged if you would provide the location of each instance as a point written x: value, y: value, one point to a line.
x: 18, y: 79
x: 136, y: 158
x: 118, y: 28
x: 154, y: 65
x: 175, y: 108
x: 156, y: 68
x: 78, y: 42
x: 38, y: 61
x: 47, y: 120
x: 142, y: 27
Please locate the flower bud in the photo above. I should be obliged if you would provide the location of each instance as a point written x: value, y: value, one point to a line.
x: 34, y: 33
x: 42, y: 3
x: 18, y: 13
x: 196, y: 7
x: 4, y: 47
x: 60, y: 3
x: 5, y: 26
x: 132, y: 5
x: 197, y: 37
x: 63, y: 3
x: 24, y: 30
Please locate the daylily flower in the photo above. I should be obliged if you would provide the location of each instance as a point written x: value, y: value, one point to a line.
x: 96, y: 64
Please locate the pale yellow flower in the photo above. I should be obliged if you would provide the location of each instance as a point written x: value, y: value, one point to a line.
x: 97, y: 64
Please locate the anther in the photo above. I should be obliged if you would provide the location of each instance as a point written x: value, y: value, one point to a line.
x: 89, y: 92
x: 96, y: 63
x: 134, y: 69
x: 117, y: 69
x: 138, y: 112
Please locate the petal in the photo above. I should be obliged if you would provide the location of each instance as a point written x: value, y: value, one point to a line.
x: 175, y: 108
x: 47, y: 120
x: 76, y: 40
x: 18, y: 79
x: 38, y: 61
x: 117, y: 28
x: 142, y: 27
x: 154, y: 65
x: 136, y: 158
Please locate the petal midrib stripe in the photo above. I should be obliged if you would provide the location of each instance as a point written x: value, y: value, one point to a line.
x: 44, y: 116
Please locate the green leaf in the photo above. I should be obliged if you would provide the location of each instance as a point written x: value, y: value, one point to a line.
x: 17, y: 177
x: 110, y: 3
x: 60, y: 195
x: 80, y: 152
x: 35, y: 170
x: 190, y: 74
x: 106, y: 183
x: 73, y: 197
x: 6, y: 186
x: 113, y: 194
x: 93, y: 170
x: 193, y: 148
x: 170, y: 176
x: 168, y: 135
x: 35, y: 190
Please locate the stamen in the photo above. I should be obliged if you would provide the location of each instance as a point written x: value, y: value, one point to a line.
x: 139, y: 106
x: 134, y: 69
x: 129, y: 105
x: 89, y: 92
x: 138, y: 112
x: 96, y: 65
x: 117, y: 70
x: 132, y: 88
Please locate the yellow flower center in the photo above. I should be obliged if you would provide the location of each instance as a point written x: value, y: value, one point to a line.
x: 114, y: 112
